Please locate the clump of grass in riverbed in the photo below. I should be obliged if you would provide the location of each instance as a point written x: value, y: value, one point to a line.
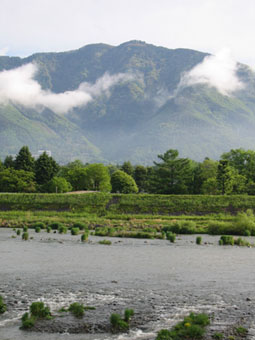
x: 84, y: 236
x: 37, y: 311
x: 77, y: 309
x: 106, y: 242
x: 25, y: 236
x: 192, y: 327
x: 3, y: 307
x: 119, y: 324
x: 75, y: 231
x: 198, y: 240
x: 171, y: 237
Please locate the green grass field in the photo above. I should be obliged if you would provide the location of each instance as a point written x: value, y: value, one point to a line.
x: 129, y: 212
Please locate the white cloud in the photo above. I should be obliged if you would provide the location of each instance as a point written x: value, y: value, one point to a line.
x: 19, y: 86
x: 218, y: 71
x: 4, y: 50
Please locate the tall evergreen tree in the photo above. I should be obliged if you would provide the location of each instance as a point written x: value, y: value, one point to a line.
x: 24, y: 160
x: 173, y: 175
x: 45, y: 168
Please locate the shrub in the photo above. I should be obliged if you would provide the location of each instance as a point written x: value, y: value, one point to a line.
x: 37, y: 229
x: 192, y: 327
x: 37, y: 309
x: 218, y: 336
x: 84, y: 237
x: 75, y: 231
x: 117, y: 323
x: 123, y: 183
x: 27, y: 321
x: 77, y: 309
x: 198, y: 240
x: 25, y: 236
x: 62, y: 229
x: 48, y: 229
x: 106, y: 242
x: 18, y: 232
x: 128, y: 314
x: 171, y: 237
x: 227, y: 240
x: 55, y: 225
x: 242, y: 331
x: 181, y: 227
x: 81, y: 226
x: 25, y: 228
x: 39, y: 225
x: 3, y: 307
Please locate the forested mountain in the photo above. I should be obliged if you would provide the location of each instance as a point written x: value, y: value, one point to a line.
x: 135, y: 118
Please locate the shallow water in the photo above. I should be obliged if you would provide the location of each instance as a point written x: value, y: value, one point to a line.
x: 160, y: 280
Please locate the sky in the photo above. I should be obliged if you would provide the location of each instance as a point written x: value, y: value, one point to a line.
x: 30, y: 26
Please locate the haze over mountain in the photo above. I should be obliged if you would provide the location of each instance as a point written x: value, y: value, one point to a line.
x: 130, y: 102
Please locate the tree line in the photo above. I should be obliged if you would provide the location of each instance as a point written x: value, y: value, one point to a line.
x: 234, y: 173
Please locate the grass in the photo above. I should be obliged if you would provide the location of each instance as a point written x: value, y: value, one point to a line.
x: 3, y: 307
x: 137, y: 216
x: 191, y: 328
x: 37, y: 311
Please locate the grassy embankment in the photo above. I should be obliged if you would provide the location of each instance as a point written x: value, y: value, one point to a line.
x: 185, y: 213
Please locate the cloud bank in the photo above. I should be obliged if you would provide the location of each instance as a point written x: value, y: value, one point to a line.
x: 218, y: 71
x: 18, y: 86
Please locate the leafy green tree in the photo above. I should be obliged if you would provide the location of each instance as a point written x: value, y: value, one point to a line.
x: 12, y: 180
x: 24, y: 160
x: 140, y: 177
x: 128, y: 168
x: 98, y: 177
x: 243, y: 161
x: 45, y: 169
x: 123, y: 183
x: 78, y: 178
x: 204, y: 175
x: 58, y: 185
x: 173, y: 175
x: 9, y: 162
x: 229, y: 180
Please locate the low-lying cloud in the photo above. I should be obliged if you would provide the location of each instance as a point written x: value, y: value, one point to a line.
x: 218, y: 71
x: 18, y: 86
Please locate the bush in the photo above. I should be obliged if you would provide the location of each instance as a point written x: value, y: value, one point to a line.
x: 39, y: 225
x: 128, y: 314
x: 77, y: 309
x: 25, y: 228
x: 55, y: 225
x: 106, y: 242
x: 27, y: 321
x: 84, y: 237
x: 123, y: 183
x: 75, y: 231
x: 192, y: 327
x: 81, y: 226
x: 171, y: 237
x: 48, y: 229
x: 25, y: 236
x: 18, y: 232
x: 226, y: 240
x: 37, y: 309
x: 117, y: 323
x: 181, y: 227
x: 218, y: 336
x: 3, y: 307
x: 37, y: 229
x: 62, y: 229
x: 198, y: 240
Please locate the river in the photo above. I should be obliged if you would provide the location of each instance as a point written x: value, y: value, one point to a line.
x: 161, y: 281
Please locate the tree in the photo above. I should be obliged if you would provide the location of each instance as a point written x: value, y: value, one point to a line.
x: 12, y: 180
x: 173, y: 175
x: 45, y: 169
x: 58, y: 185
x: 123, y: 183
x: 243, y: 161
x: 9, y: 162
x: 98, y: 177
x: 229, y: 180
x: 78, y: 178
x: 24, y: 160
x: 140, y: 177
x: 128, y: 168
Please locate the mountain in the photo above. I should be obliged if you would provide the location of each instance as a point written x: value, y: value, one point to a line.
x: 136, y: 118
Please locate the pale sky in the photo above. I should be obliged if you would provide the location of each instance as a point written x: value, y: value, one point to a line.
x: 30, y: 26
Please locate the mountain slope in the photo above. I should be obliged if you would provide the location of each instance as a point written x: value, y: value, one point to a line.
x: 139, y: 117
